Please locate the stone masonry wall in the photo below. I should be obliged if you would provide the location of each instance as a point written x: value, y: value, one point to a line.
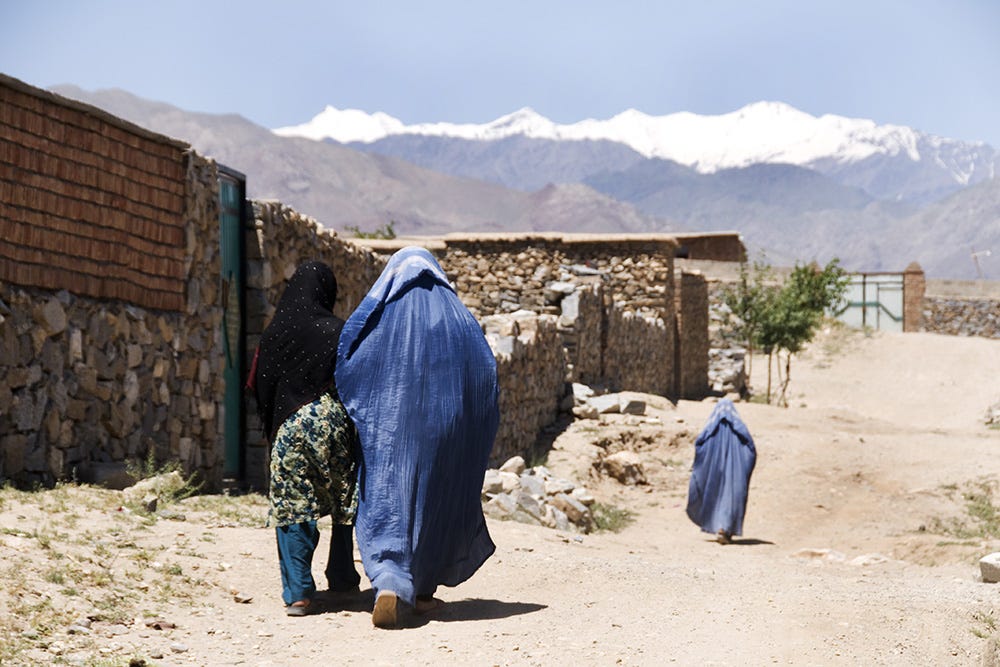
x: 531, y: 371
x: 962, y: 317
x: 278, y: 240
x: 87, y: 385
x: 581, y: 325
x: 692, y: 350
x: 639, y: 354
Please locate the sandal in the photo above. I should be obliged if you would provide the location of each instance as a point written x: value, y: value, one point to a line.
x: 384, y: 613
x: 298, y: 609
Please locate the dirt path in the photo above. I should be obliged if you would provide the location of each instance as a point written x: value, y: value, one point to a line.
x: 850, y: 556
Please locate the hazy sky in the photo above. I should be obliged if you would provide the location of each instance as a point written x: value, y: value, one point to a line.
x: 934, y: 66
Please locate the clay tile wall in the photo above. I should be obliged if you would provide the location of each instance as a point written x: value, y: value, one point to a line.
x: 89, y: 203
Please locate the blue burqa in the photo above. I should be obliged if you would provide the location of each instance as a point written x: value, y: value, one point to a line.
x: 724, y: 458
x: 419, y: 379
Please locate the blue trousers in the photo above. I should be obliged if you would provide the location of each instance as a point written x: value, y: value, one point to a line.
x: 296, y: 544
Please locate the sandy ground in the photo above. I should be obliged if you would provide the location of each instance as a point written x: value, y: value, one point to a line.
x: 852, y: 553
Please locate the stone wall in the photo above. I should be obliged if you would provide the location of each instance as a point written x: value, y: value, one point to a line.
x: 639, y: 352
x: 613, y: 295
x: 692, y: 351
x: 278, y: 240
x: 962, y: 316
x: 111, y: 346
x: 88, y: 384
x: 581, y: 325
x: 531, y: 371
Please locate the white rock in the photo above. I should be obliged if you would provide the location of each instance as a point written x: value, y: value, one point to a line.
x: 574, y: 509
x: 554, y: 486
x: 515, y: 464
x: 625, y: 466
x: 606, y: 404
x: 509, y: 482
x: 583, y: 495
x: 530, y: 505
x: 501, y: 506
x: 492, y: 484
x: 632, y: 406
x: 533, y: 484
x: 989, y: 567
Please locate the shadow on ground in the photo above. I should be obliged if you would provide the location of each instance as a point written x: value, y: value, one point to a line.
x: 460, y: 610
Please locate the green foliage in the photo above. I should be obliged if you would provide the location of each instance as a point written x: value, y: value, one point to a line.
x: 386, y: 231
x: 610, y: 518
x: 782, y: 319
x: 982, y: 515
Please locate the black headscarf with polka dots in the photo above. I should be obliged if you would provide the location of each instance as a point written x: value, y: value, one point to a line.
x: 298, y: 349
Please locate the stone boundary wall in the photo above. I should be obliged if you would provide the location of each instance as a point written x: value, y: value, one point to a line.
x: 501, y: 273
x: 542, y: 272
x: 581, y: 324
x: 506, y: 272
x: 278, y: 240
x: 962, y: 316
x: 639, y: 353
x: 531, y: 371
x: 692, y: 351
x: 89, y: 384
x: 91, y: 204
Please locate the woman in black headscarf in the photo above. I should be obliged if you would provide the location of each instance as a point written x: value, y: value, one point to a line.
x: 313, y: 441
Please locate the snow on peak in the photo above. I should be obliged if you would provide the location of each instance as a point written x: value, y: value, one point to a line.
x: 764, y: 131
x: 345, y: 125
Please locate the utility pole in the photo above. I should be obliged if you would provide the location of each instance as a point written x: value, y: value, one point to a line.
x: 975, y: 260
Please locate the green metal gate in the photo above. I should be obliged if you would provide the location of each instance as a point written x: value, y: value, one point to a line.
x: 232, y: 213
x: 874, y: 300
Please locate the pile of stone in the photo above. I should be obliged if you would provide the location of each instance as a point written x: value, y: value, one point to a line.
x: 533, y: 495
x: 727, y: 370
x: 585, y: 403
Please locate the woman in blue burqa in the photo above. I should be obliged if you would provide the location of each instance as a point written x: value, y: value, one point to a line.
x: 724, y: 458
x: 419, y: 380
x: 313, y: 442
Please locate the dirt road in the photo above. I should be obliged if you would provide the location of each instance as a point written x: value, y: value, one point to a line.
x: 860, y: 547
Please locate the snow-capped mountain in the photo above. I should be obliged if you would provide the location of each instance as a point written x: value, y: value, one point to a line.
x: 789, y: 212
x: 759, y: 133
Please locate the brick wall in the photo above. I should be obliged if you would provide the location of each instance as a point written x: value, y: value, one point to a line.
x: 711, y: 246
x: 914, y: 288
x: 88, y: 202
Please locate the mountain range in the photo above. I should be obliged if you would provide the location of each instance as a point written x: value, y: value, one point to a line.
x: 795, y: 186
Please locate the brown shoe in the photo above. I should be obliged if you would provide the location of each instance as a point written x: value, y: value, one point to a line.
x: 384, y: 613
x: 724, y: 537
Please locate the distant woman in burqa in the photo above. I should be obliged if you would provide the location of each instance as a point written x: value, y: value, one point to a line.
x: 724, y: 459
x: 419, y: 380
x: 313, y: 442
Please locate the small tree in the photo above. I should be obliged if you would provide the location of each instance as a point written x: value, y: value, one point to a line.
x: 783, y: 319
x: 797, y: 312
x: 747, y: 301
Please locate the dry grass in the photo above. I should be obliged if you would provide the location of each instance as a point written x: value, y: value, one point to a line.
x: 77, y: 561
